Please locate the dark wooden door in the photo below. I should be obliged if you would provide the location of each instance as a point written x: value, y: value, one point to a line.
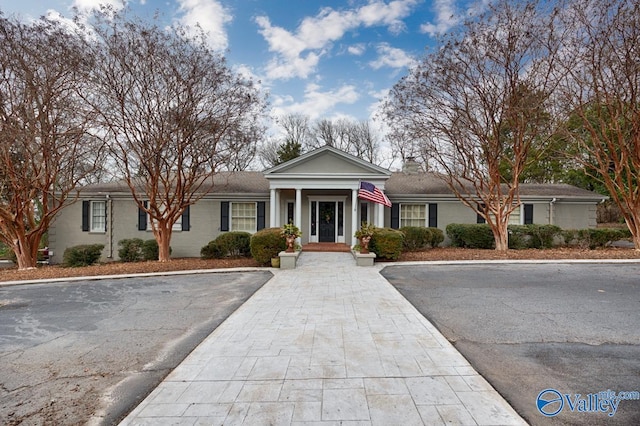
x: 327, y: 222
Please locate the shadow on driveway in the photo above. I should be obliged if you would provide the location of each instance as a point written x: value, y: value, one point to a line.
x: 70, y: 350
x: 527, y: 328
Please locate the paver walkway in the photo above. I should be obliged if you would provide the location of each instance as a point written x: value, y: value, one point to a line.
x: 325, y: 343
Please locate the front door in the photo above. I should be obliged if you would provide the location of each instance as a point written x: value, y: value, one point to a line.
x: 327, y: 221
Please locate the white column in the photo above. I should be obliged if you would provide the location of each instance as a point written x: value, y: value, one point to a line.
x: 272, y: 208
x: 355, y: 225
x: 299, y: 211
x: 379, y: 215
x: 278, y: 208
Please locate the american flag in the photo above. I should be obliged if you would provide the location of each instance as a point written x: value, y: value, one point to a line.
x: 368, y: 191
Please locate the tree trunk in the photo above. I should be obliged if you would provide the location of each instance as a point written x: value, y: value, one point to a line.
x: 163, y: 237
x: 25, y: 259
x: 26, y: 255
x: 500, y: 231
x: 633, y: 222
x: 501, y: 236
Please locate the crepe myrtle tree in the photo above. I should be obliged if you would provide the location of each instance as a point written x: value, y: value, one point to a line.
x: 46, y: 150
x: 601, y: 91
x: 174, y: 114
x: 479, y: 102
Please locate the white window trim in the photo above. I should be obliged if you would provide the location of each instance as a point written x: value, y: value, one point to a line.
x: 92, y: 227
x: 255, y: 216
x: 177, y: 226
x: 425, y: 222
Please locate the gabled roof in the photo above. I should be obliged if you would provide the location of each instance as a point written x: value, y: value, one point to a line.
x: 326, y: 161
x: 416, y: 184
x: 244, y: 182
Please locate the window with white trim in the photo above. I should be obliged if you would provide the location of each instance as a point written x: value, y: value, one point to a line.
x: 244, y: 217
x: 177, y: 226
x: 413, y: 215
x: 98, y: 216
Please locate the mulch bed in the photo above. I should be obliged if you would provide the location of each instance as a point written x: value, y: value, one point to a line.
x: 440, y: 253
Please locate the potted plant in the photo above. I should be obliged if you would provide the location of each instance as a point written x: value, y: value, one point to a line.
x: 364, y: 235
x: 290, y: 232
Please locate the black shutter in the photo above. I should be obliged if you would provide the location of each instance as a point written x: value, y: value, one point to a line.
x: 433, y: 215
x: 186, y: 224
x: 395, y: 216
x: 480, y: 218
x: 142, y: 218
x: 224, y: 216
x: 261, y: 215
x: 528, y: 214
x: 363, y: 212
x: 106, y: 215
x: 85, y: 215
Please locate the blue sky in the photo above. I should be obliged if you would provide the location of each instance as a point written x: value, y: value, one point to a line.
x: 325, y: 59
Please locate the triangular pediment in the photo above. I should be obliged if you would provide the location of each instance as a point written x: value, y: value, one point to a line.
x: 326, y: 161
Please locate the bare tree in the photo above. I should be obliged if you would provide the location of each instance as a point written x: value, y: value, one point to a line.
x: 602, y: 92
x: 45, y: 147
x: 363, y: 141
x: 174, y: 112
x: 479, y: 102
x: 325, y: 132
x: 355, y: 137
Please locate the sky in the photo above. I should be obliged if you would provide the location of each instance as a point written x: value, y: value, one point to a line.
x: 326, y: 59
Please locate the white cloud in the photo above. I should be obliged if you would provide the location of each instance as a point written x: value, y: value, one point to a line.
x: 211, y: 16
x: 391, y: 14
x: 86, y: 6
x: 316, y: 103
x: 357, y: 49
x: 391, y: 57
x: 316, y: 34
x: 446, y: 18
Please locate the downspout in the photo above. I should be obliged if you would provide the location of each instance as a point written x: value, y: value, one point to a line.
x: 551, y: 210
x: 109, y: 227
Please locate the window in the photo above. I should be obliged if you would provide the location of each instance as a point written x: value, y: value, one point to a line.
x: 94, y: 216
x: 182, y: 224
x: 243, y: 217
x: 413, y: 215
x: 98, y: 216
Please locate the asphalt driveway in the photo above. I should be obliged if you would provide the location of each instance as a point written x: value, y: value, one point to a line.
x: 571, y: 328
x: 73, y: 349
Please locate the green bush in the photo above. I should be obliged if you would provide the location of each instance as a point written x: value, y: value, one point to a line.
x: 533, y: 236
x: 387, y: 243
x: 130, y: 250
x: 82, y: 255
x: 267, y: 243
x: 594, y: 237
x: 437, y: 236
x: 471, y: 236
x: 229, y: 244
x: 416, y: 238
x: 150, y: 250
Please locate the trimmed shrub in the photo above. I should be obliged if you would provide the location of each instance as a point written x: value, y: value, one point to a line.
x: 594, y: 237
x: 83, y: 255
x: 416, y: 238
x: 471, y: 236
x: 130, y: 250
x: 230, y: 244
x: 150, y: 250
x: 267, y: 243
x: 533, y: 236
x: 437, y: 236
x: 387, y: 243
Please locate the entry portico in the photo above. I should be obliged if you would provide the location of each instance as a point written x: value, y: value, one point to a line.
x: 318, y: 192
